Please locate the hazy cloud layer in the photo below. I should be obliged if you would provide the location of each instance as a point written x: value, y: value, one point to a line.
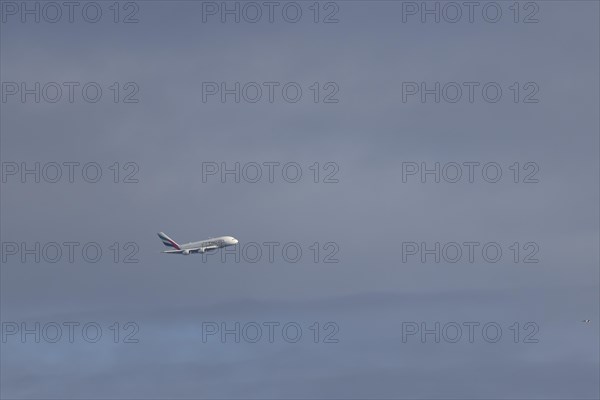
x: 369, y: 133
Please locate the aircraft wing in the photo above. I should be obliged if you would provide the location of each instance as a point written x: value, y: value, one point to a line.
x: 196, y: 249
x: 191, y: 250
x: 206, y: 248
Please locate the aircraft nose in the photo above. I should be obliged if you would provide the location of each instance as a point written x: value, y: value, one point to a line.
x: 235, y: 241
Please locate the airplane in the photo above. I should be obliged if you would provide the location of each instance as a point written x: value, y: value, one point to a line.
x: 196, y: 247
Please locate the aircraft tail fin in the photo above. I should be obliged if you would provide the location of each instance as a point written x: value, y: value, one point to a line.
x: 167, y: 241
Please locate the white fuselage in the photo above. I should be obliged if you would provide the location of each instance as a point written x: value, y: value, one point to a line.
x: 196, y: 247
x: 213, y: 243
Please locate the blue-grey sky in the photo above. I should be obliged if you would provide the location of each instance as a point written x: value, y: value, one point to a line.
x: 365, y: 61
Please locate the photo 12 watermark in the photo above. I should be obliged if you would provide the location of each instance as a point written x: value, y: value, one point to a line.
x: 70, y: 12
x: 270, y: 332
x: 69, y: 252
x: 470, y: 92
x: 270, y: 12
x: 29, y: 172
x: 470, y: 252
x: 470, y: 172
x: 270, y: 92
x: 69, y: 92
x: 69, y: 332
x: 275, y: 252
x: 270, y: 172
x: 470, y: 12
x: 469, y: 332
